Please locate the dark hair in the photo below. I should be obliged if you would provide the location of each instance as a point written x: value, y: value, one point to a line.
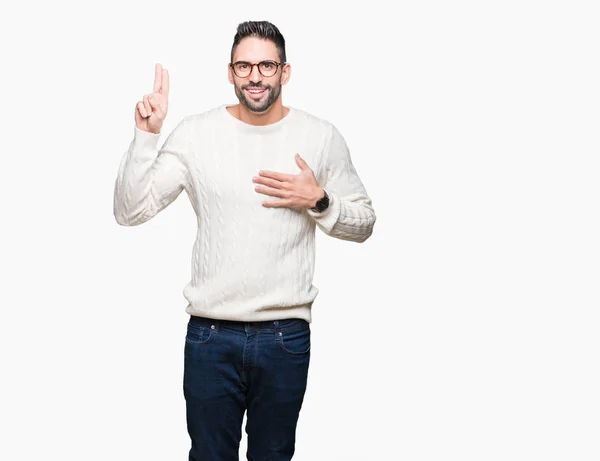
x: 261, y: 29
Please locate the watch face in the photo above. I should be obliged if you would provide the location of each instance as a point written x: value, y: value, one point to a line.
x: 323, y: 203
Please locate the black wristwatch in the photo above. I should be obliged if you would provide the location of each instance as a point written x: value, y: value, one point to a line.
x: 322, y: 204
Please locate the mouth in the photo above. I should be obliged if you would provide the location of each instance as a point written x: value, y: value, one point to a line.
x: 255, y: 92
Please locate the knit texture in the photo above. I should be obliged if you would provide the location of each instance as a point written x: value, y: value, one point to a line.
x: 249, y: 262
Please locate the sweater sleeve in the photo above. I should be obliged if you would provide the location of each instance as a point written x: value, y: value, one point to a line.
x: 149, y: 179
x: 350, y: 215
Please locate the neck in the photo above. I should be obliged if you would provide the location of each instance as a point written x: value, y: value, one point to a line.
x: 272, y: 115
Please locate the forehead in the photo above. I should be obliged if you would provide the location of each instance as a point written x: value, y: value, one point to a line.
x: 255, y: 49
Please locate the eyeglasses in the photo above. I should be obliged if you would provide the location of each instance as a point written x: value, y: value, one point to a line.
x: 266, y: 68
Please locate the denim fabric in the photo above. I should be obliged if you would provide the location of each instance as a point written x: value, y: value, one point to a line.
x: 232, y: 367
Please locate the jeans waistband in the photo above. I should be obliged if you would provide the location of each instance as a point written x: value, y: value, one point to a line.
x: 263, y: 325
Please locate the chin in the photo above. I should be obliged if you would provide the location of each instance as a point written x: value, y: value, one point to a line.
x: 261, y: 107
x: 256, y: 109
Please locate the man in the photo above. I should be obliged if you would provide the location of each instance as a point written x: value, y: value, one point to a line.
x: 247, y: 346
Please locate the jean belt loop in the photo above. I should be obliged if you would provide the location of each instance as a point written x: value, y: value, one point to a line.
x: 277, y: 332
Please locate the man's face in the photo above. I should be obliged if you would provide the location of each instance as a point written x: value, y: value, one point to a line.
x: 255, y: 50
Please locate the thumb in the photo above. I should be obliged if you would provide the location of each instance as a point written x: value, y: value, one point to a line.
x: 156, y: 104
x: 153, y: 101
x: 301, y: 163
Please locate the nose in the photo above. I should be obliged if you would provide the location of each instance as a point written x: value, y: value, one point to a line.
x: 255, y: 76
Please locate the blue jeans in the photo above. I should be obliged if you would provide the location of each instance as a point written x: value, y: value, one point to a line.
x: 232, y: 367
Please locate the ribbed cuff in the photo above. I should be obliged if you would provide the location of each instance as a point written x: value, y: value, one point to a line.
x: 330, y: 216
x: 144, y: 139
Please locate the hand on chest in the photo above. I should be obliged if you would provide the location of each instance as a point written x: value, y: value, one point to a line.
x: 228, y: 173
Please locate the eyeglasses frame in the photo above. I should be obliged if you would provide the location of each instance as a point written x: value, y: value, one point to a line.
x: 257, y: 64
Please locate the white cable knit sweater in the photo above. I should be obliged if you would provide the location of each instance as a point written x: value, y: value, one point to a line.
x: 249, y: 262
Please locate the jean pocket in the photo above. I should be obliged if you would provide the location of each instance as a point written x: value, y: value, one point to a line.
x: 198, y: 334
x: 296, y: 341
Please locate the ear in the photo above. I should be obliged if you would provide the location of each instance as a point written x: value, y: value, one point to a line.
x: 230, y: 74
x: 286, y: 73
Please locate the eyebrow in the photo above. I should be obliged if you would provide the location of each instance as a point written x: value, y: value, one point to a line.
x: 262, y: 60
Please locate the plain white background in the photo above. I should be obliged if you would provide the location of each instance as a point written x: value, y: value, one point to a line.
x: 467, y: 326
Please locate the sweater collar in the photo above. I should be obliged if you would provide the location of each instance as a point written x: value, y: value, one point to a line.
x: 259, y: 129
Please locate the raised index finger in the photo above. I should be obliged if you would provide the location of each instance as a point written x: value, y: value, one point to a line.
x: 164, y: 89
x: 157, y: 77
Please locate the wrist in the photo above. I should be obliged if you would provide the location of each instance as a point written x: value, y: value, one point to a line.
x: 322, y: 203
x: 319, y: 194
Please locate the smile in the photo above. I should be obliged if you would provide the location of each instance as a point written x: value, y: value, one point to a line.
x: 256, y: 91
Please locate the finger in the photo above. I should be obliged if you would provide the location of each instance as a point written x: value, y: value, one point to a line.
x: 275, y: 175
x: 272, y: 191
x: 141, y: 109
x: 164, y: 88
x: 276, y: 203
x: 147, y: 106
x: 138, y: 116
x: 270, y: 182
x: 158, y: 73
